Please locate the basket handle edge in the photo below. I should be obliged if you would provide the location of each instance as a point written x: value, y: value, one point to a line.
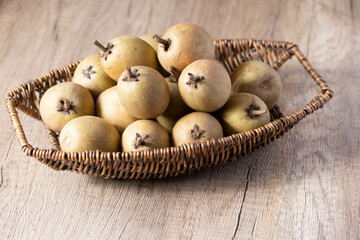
x: 15, y: 121
x: 323, y: 96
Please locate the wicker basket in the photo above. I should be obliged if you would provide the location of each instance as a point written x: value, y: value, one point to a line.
x: 160, y: 163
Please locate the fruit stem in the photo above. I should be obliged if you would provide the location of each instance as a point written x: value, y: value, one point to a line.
x: 133, y: 75
x: 128, y: 68
x: 160, y: 40
x: 258, y: 112
x: 174, y: 75
x: 99, y: 45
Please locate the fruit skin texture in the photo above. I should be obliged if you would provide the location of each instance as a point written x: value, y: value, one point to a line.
x: 90, y: 74
x: 128, y: 51
x: 176, y: 109
x: 56, y: 100
x: 185, y: 130
x: 209, y: 94
x: 151, y: 135
x: 189, y: 42
x: 89, y: 133
x: 109, y: 107
x: 257, y: 78
x: 235, y: 117
x: 146, y: 96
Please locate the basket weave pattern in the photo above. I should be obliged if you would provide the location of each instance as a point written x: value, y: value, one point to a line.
x: 160, y: 163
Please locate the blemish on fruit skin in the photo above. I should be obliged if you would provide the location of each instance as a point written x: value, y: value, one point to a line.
x: 67, y: 140
x: 266, y: 81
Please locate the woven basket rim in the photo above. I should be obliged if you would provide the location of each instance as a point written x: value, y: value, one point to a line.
x: 229, y: 51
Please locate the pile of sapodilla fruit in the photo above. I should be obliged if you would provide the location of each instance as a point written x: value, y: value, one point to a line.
x: 156, y: 91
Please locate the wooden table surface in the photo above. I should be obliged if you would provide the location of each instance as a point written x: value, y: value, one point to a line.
x: 306, y: 185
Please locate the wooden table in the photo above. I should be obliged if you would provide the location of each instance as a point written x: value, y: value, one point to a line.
x: 306, y: 185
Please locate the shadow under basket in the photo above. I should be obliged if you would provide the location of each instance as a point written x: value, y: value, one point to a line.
x: 166, y: 162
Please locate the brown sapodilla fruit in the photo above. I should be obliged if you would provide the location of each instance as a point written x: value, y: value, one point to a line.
x: 109, y: 107
x: 126, y: 51
x: 205, y: 85
x: 243, y: 112
x: 257, y: 78
x: 89, y: 133
x: 144, y: 135
x: 143, y: 92
x: 182, y: 44
x: 90, y: 74
x: 177, y: 108
x: 196, y: 127
x: 64, y: 102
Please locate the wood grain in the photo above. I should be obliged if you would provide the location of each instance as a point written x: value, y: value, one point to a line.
x: 304, y: 186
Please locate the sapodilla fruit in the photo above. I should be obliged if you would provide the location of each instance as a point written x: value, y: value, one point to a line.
x: 182, y: 44
x: 109, y: 107
x: 196, y: 127
x: 177, y: 108
x: 243, y: 112
x: 257, y: 78
x: 205, y: 85
x: 90, y: 74
x: 64, y: 102
x: 144, y: 135
x: 143, y: 92
x: 89, y: 133
x: 126, y: 51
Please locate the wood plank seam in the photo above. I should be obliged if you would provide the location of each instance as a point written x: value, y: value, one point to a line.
x: 242, y: 203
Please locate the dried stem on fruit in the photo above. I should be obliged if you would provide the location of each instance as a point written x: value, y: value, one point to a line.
x: 258, y: 112
x: 197, y: 133
x: 194, y: 80
x: 133, y: 75
x: 88, y: 71
x: 141, y: 141
x: 106, y: 50
x: 174, y: 75
x: 66, y: 106
x: 160, y: 40
x: 255, y: 111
